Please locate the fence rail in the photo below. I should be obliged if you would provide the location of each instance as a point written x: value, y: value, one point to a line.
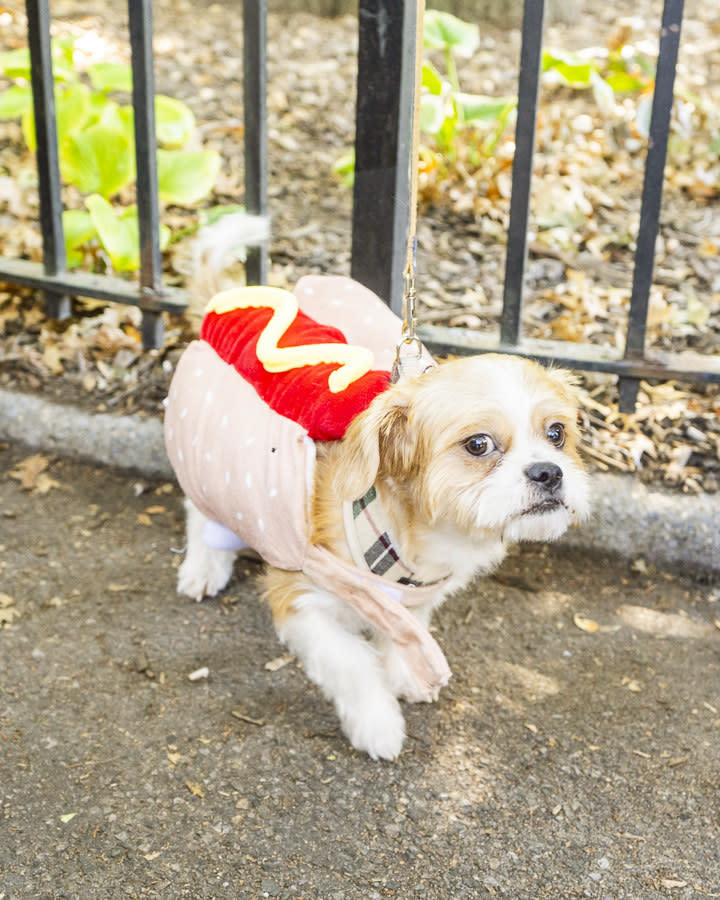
x: 386, y: 56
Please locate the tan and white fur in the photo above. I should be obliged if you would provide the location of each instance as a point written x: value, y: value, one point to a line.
x: 467, y: 459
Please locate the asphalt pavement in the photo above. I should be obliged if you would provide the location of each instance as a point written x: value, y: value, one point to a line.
x: 154, y: 747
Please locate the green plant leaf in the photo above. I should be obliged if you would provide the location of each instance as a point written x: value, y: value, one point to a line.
x: 344, y: 168
x: 27, y: 123
x: 443, y: 31
x: 108, y: 76
x: 97, y: 160
x: 120, y: 233
x: 433, y: 112
x: 73, y: 109
x: 119, y: 236
x: 184, y: 178
x: 108, y: 115
x: 174, y: 121
x: 15, y: 102
x: 164, y: 233
x: 571, y: 67
x: 446, y: 135
x: 98, y: 103
x: 624, y: 83
x: 431, y: 79
x: 63, y: 49
x: 79, y: 229
x: 16, y: 63
x: 479, y: 108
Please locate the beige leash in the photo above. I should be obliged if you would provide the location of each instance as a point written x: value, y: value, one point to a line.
x: 408, y: 359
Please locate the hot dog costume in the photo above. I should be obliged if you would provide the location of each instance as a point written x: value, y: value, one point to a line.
x: 271, y: 374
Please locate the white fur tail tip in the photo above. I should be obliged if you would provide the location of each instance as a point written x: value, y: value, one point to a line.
x: 229, y: 235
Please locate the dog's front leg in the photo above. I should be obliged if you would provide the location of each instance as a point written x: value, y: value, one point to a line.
x: 348, y: 670
x: 398, y: 677
x: 204, y: 571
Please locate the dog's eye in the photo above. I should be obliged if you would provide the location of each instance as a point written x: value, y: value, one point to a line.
x: 479, y: 445
x: 556, y: 434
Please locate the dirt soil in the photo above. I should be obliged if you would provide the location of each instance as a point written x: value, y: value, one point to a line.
x: 154, y: 747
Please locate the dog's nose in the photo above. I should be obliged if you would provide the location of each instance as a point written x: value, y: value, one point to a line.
x: 545, y: 475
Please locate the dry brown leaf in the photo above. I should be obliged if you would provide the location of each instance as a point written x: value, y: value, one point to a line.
x: 279, y: 662
x: 194, y: 788
x: 144, y: 519
x: 45, y: 483
x: 7, y: 609
x: 52, y: 357
x: 155, y: 510
x: 28, y: 471
x: 589, y: 625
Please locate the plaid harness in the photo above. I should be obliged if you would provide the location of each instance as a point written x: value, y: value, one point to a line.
x: 371, y: 542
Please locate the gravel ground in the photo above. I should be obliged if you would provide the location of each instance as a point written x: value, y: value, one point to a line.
x: 574, y: 753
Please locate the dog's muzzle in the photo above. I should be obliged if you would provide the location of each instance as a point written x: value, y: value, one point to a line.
x: 546, y: 478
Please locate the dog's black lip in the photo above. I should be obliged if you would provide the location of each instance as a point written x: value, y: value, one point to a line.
x: 543, y: 506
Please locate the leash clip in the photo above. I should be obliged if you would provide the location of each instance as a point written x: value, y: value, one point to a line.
x: 410, y: 362
x: 409, y: 354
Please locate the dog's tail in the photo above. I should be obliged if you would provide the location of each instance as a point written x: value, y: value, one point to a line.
x: 217, y: 247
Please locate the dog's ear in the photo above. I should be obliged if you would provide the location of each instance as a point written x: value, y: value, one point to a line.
x: 567, y: 383
x: 378, y: 441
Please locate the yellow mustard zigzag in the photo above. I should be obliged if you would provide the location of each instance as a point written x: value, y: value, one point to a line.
x: 354, y: 361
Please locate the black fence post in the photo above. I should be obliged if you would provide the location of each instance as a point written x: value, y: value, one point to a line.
x: 386, y: 68
x: 651, y: 195
x: 528, y: 89
x: 43, y: 89
x: 143, y: 98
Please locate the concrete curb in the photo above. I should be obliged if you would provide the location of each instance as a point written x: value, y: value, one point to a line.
x: 126, y: 442
x: 629, y: 519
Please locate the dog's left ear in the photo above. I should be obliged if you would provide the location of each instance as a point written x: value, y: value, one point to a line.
x: 566, y: 381
x: 378, y: 441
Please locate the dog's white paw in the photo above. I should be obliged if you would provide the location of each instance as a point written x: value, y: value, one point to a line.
x: 377, y: 728
x: 203, y: 576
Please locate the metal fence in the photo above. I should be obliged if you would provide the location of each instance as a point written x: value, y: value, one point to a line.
x: 378, y: 258
x: 52, y: 276
x: 386, y: 54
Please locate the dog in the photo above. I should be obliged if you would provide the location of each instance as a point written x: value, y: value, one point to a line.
x: 430, y: 484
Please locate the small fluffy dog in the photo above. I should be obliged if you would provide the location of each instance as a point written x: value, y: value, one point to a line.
x: 450, y: 467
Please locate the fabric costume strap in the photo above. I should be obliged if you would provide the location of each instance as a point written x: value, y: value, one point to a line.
x: 369, y: 598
